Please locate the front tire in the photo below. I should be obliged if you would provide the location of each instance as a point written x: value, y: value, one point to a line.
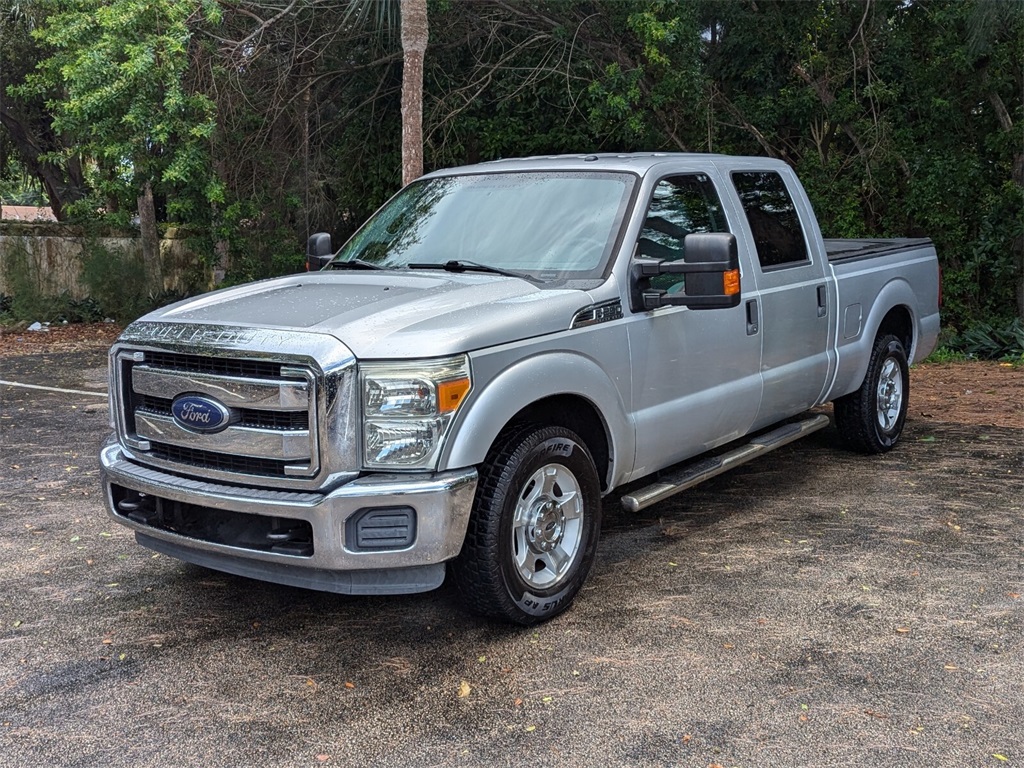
x: 871, y: 419
x: 534, y: 529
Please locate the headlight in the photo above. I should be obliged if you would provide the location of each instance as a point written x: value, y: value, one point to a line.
x: 407, y: 408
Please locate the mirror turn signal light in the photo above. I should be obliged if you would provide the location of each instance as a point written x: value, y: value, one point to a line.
x: 731, y: 282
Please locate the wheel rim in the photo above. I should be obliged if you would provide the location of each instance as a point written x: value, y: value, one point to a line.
x: 889, y: 397
x: 548, y: 526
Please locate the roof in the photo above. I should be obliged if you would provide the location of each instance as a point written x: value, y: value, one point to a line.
x: 634, y: 162
x: 26, y: 213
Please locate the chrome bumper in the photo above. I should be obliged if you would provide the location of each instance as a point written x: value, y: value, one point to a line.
x: 441, y: 502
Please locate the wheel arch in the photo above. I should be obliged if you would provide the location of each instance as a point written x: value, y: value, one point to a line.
x: 557, y: 389
x: 892, y: 312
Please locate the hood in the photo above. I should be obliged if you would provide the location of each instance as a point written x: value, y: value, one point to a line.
x: 390, y: 314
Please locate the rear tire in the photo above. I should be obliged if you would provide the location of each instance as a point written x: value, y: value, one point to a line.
x: 534, y: 529
x: 871, y: 419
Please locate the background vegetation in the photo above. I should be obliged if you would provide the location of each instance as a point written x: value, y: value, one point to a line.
x: 257, y: 122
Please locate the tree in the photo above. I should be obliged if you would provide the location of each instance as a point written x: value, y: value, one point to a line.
x: 28, y: 141
x: 118, y: 70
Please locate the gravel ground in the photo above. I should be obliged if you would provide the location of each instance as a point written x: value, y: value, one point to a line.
x: 812, y: 608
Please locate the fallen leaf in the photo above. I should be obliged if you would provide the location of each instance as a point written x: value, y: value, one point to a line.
x: 464, y: 689
x: 1013, y: 595
x: 950, y: 667
x: 323, y: 758
x: 17, y: 623
x: 872, y: 713
x: 349, y: 685
x: 482, y: 659
x: 531, y: 728
x: 518, y: 702
x: 903, y: 630
x: 997, y: 756
x: 107, y: 641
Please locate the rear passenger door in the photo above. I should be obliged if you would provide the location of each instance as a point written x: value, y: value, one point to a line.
x: 793, y: 295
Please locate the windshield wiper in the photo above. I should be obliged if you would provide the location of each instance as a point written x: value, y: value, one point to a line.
x: 354, y: 264
x: 459, y: 265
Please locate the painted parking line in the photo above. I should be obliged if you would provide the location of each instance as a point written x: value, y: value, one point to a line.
x: 53, y: 389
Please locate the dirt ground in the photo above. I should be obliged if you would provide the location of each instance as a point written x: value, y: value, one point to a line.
x: 813, y: 608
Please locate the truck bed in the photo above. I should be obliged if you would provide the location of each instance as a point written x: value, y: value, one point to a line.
x: 850, y: 249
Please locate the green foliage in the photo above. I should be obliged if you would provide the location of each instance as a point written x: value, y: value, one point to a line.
x: 115, y: 79
x: 263, y: 247
x: 259, y: 127
x: 116, y: 280
x: 987, y: 342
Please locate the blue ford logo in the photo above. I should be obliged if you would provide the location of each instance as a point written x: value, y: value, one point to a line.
x: 200, y: 414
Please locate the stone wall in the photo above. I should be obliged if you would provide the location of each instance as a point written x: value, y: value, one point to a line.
x: 53, y: 253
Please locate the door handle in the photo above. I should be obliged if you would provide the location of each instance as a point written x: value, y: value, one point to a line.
x: 822, y: 301
x: 751, y: 317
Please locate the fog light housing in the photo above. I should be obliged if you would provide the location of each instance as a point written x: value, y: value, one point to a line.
x: 381, y: 529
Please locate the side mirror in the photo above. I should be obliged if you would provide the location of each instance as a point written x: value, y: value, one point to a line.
x: 712, y: 268
x: 318, y: 251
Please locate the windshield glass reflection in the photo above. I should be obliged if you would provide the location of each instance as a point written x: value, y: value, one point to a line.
x: 557, y: 224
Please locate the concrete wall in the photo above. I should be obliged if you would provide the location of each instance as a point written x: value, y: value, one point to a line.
x: 54, y: 253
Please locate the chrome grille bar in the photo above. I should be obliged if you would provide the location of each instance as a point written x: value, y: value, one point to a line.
x: 238, y: 441
x: 235, y: 393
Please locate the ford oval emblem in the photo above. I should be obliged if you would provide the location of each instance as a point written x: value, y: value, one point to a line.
x: 200, y: 414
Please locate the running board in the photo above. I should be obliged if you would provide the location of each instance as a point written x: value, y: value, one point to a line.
x: 704, y: 469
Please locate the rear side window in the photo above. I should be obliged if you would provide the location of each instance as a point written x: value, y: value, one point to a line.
x: 773, y: 219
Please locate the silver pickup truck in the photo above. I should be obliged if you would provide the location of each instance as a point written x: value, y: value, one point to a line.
x: 496, y: 349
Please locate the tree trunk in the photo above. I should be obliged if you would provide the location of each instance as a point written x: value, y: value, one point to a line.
x: 60, y: 188
x: 150, y: 241
x: 414, y: 46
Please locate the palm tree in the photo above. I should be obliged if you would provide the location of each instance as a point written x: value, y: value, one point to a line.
x: 414, y: 45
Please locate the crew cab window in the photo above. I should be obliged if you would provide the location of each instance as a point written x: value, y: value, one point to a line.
x: 680, y: 205
x: 774, y: 222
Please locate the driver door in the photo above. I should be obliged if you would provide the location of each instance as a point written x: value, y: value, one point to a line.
x: 696, y: 377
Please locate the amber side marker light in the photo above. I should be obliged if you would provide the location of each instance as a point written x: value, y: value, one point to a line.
x: 731, y: 282
x: 451, y: 393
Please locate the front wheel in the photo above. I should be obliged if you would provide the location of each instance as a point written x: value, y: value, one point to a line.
x: 533, y: 532
x: 871, y: 419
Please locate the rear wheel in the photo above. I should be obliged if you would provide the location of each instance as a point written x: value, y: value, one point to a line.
x: 534, y: 528
x: 871, y: 419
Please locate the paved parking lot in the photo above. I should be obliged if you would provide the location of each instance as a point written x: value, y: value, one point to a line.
x: 815, y: 608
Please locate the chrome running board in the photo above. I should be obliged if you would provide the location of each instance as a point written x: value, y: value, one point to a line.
x: 704, y: 469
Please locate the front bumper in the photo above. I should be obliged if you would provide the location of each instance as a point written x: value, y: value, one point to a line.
x: 333, y: 561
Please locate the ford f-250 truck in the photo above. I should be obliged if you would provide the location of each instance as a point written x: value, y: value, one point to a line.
x: 496, y: 349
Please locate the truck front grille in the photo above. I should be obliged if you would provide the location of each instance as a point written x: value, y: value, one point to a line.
x: 269, y: 431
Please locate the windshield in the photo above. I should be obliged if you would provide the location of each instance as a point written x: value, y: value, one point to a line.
x: 551, y: 225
